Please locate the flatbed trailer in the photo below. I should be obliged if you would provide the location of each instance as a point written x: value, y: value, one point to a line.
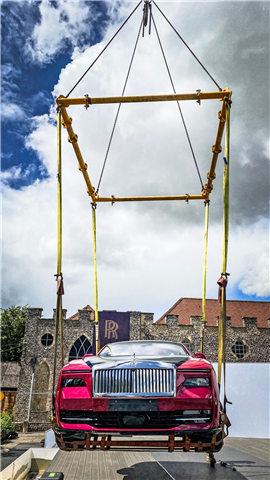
x: 239, y: 459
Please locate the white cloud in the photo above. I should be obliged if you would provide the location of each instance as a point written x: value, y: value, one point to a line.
x: 11, y: 173
x: 12, y: 111
x: 255, y: 258
x: 66, y: 23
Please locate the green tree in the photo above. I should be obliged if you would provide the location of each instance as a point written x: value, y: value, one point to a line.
x: 13, y: 320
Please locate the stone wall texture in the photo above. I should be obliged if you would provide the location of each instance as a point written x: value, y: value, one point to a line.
x: 37, y: 360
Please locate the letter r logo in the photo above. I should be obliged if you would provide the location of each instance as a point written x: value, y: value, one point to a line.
x: 110, y: 329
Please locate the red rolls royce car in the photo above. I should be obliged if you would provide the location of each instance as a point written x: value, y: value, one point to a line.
x: 138, y: 388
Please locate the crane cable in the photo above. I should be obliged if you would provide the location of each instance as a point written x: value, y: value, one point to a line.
x: 178, y: 103
x: 181, y: 38
x: 106, y: 46
x: 119, y: 107
x: 222, y: 282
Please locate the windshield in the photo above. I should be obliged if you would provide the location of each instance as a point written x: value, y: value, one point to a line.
x: 144, y: 349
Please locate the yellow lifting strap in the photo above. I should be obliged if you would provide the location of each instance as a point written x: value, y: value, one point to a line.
x: 207, y: 203
x: 95, y: 275
x: 60, y: 291
x: 223, y: 283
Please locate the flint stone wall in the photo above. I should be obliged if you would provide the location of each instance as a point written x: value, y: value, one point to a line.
x: 142, y: 327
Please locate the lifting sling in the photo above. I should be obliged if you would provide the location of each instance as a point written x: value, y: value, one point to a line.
x: 204, y: 272
x: 222, y: 282
x: 95, y: 276
x: 59, y: 276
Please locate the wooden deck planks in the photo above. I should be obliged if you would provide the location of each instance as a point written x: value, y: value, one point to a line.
x: 138, y: 464
x: 259, y: 447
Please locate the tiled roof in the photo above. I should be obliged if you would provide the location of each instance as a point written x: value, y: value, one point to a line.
x: 236, y: 309
x: 76, y: 315
x: 10, y: 374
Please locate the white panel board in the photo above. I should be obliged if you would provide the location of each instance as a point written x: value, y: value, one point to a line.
x: 247, y: 387
x: 50, y: 441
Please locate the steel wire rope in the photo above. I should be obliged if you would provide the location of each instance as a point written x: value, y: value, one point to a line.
x: 178, y: 103
x: 181, y: 38
x: 106, y: 46
x: 119, y: 107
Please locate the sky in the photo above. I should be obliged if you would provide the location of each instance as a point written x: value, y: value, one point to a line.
x: 148, y: 254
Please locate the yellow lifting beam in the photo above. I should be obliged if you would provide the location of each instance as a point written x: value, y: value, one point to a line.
x: 198, y: 96
x: 73, y: 139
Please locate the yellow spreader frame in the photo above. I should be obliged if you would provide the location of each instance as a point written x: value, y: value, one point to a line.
x: 198, y: 96
x: 224, y: 119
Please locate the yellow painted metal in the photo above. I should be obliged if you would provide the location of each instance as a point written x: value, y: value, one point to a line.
x: 59, y: 196
x: 95, y: 274
x: 204, y: 271
x: 223, y: 313
x: 198, y: 96
x: 67, y: 121
x: 216, y: 149
x: 113, y: 199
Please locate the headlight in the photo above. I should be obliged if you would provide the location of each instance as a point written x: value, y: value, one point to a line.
x: 197, y: 382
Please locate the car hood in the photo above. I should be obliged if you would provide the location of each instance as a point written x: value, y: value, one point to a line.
x: 114, y: 362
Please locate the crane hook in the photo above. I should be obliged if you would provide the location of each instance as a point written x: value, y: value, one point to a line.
x: 147, y: 13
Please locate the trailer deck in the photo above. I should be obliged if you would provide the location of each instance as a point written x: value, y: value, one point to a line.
x: 156, y: 464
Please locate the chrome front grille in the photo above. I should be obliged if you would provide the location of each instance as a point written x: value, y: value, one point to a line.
x: 134, y: 382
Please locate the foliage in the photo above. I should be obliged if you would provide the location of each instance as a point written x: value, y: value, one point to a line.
x: 7, y: 426
x: 13, y: 320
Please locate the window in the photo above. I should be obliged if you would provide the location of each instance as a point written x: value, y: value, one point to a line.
x: 239, y: 349
x: 47, y: 339
x: 80, y: 348
x: 145, y: 348
x: 41, y: 389
x: 188, y: 344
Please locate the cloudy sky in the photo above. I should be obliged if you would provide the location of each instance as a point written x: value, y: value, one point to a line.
x: 149, y: 254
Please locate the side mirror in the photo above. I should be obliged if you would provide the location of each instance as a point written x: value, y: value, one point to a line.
x: 199, y: 355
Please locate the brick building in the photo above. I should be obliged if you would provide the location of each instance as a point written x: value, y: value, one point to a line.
x: 248, y: 340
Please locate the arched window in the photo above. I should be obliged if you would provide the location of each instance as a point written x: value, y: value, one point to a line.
x: 188, y: 344
x: 41, y: 387
x: 239, y: 349
x: 80, y: 348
